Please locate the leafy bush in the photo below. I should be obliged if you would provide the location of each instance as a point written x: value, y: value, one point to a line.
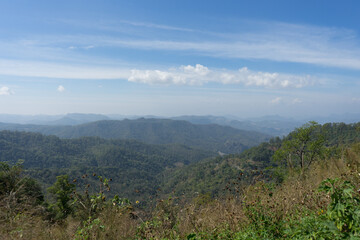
x: 341, y: 220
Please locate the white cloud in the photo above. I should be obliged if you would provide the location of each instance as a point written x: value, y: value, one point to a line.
x: 276, y: 100
x: 198, y: 69
x: 184, y: 75
x: 265, y: 79
x: 60, y: 88
x: 155, y: 77
x: 5, y: 91
x: 199, y: 75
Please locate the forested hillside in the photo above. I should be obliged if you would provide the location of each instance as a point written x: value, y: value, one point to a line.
x: 132, y: 165
x: 156, y: 131
x: 137, y: 165
x: 215, y: 174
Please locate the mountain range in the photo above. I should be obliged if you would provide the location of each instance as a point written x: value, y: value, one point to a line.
x: 273, y: 125
x: 210, y: 137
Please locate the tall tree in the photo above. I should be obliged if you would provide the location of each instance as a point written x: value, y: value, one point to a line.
x: 302, y: 146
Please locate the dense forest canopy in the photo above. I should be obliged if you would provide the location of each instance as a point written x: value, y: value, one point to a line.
x: 132, y: 165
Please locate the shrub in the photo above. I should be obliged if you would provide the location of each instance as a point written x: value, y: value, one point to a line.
x: 341, y: 220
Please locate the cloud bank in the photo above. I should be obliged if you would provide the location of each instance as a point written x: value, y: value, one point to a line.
x: 199, y: 75
x: 183, y: 75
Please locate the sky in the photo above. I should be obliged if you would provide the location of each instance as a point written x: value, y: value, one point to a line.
x: 188, y: 57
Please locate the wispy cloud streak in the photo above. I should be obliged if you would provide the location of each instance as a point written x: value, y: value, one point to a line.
x: 58, y: 70
x: 71, y: 56
x: 158, y: 26
x: 281, y: 42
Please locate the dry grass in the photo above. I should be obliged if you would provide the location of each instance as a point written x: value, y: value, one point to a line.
x: 214, y: 215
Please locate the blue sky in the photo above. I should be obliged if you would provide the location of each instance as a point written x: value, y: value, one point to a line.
x: 242, y: 58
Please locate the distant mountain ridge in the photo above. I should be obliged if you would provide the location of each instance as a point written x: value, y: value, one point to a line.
x: 78, y: 118
x: 272, y: 125
x: 156, y: 131
x: 68, y: 119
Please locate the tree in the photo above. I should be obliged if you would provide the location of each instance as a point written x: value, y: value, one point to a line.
x: 302, y: 146
x: 62, y: 191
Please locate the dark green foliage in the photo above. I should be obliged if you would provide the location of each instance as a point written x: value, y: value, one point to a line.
x: 263, y: 223
x: 342, y: 219
x: 344, y: 208
x: 136, y: 168
x: 341, y: 134
x: 223, y: 175
x: 62, y: 191
x: 17, y: 187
